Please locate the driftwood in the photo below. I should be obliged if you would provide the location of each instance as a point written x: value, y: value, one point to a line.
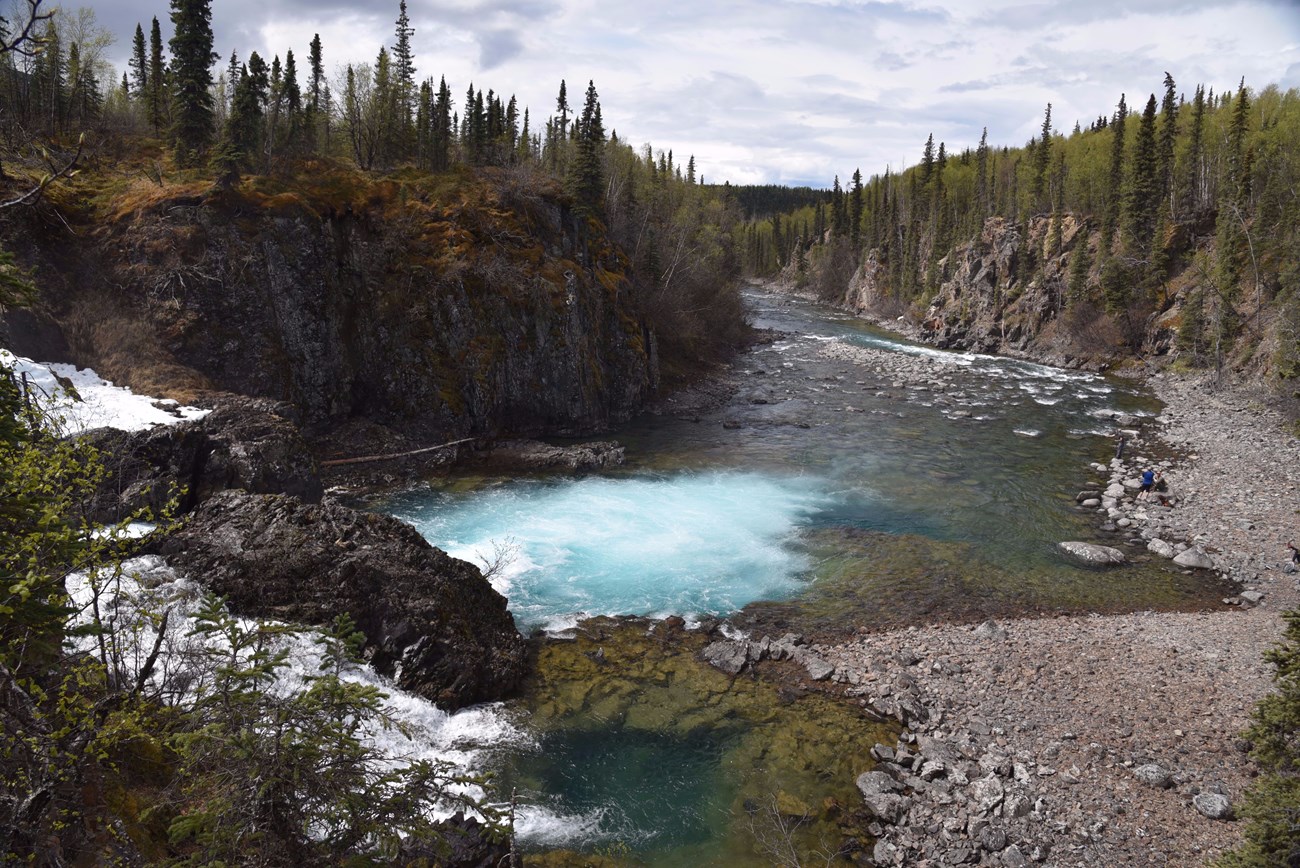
x: 368, y: 458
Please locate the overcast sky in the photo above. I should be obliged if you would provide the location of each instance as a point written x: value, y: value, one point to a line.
x: 790, y: 92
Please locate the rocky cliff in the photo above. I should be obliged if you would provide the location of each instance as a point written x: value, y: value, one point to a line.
x: 1009, y: 291
x: 437, y: 306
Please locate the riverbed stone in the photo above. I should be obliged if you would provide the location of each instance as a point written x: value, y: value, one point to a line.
x: 1194, y: 558
x: 1090, y: 553
x: 1162, y: 548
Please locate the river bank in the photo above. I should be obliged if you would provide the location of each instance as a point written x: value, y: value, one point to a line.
x: 1101, y: 739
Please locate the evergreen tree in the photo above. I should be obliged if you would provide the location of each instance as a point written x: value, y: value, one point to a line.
x: 1110, y: 219
x: 158, y: 93
x: 403, y: 78
x: 1165, y: 148
x: 139, y: 64
x: 982, y: 197
x: 1194, y: 175
x: 855, y: 212
x: 1042, y: 159
x: 442, y: 128
x: 192, y: 58
x: 839, y: 213
x: 1142, y: 195
x: 586, y: 172
x: 927, y: 161
x: 1234, y: 195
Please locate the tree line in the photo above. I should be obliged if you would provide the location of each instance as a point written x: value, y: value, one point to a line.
x: 1146, y: 186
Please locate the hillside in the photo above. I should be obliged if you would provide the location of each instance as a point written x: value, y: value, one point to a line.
x: 1168, y: 235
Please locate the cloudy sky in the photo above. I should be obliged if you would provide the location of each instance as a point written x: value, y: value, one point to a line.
x: 791, y: 92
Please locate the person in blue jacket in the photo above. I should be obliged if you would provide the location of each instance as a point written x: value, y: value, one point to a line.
x: 1148, y: 480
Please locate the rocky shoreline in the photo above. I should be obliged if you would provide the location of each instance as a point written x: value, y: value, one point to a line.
x: 1091, y: 740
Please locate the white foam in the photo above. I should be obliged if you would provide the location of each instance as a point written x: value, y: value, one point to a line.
x: 95, y: 402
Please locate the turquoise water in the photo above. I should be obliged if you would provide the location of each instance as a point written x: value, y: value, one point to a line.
x: 689, y: 543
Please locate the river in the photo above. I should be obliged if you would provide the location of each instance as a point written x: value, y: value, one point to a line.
x: 827, y: 495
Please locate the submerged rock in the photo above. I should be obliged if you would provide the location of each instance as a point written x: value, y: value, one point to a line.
x: 1090, y: 553
x: 534, y: 455
x: 431, y: 622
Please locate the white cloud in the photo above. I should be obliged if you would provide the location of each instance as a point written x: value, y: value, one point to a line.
x: 779, y: 90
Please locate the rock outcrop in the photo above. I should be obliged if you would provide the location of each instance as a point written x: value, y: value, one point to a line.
x: 431, y: 622
x: 245, y: 443
x: 487, y: 309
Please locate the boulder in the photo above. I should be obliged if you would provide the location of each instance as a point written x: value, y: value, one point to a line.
x: 1154, y: 775
x: 1215, y: 806
x: 1194, y: 558
x: 1162, y: 548
x: 431, y: 622
x: 729, y: 656
x: 880, y: 794
x: 246, y: 443
x: 1091, y: 554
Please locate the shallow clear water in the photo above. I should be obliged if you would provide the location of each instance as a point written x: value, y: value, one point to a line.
x: 823, y: 496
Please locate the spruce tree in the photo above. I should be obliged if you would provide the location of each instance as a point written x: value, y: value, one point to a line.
x: 139, y: 64
x: 586, y: 170
x: 1165, y: 147
x: 442, y: 129
x: 982, y: 197
x: 192, y: 58
x: 1142, y: 195
x: 1110, y: 218
x: 158, y: 94
x: 403, y: 80
x: 1042, y: 158
x: 1194, y: 181
x: 855, y: 211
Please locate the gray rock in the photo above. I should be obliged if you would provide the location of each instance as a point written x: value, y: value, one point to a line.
x: 1092, y: 554
x: 887, y: 807
x: 875, y: 782
x: 987, y: 793
x: 884, y: 853
x: 1013, y: 858
x: 1194, y: 558
x: 990, y: 631
x: 993, y: 839
x: 1216, y: 806
x: 1154, y: 775
x: 819, y: 669
x: 1254, y: 598
x: 1162, y: 548
x: 729, y: 656
x: 1091, y: 503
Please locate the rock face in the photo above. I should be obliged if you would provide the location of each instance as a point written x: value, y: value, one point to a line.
x: 1088, y: 553
x: 487, y: 311
x: 244, y: 443
x: 430, y: 621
